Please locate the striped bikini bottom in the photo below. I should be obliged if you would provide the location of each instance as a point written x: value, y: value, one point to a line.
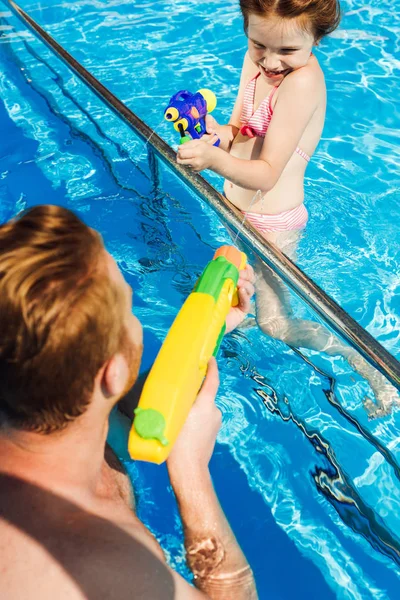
x: 295, y: 218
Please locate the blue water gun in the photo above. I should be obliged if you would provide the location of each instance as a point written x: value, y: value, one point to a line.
x: 188, y: 111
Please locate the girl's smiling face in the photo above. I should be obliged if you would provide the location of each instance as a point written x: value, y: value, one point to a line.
x: 278, y: 46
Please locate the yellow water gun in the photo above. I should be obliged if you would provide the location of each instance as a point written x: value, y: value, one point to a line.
x: 180, y: 367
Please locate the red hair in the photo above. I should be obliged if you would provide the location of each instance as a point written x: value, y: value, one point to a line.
x: 321, y: 16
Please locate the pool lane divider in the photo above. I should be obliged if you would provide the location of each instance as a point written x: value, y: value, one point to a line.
x: 321, y: 303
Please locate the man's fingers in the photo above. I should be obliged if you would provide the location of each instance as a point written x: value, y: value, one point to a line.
x: 250, y: 273
x: 246, y: 288
x: 247, y: 274
x: 246, y: 282
x: 244, y: 299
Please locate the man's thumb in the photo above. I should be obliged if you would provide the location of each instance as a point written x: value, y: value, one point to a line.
x: 211, y: 381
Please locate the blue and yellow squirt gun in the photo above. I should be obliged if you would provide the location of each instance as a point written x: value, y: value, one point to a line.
x: 188, y: 111
x: 180, y: 367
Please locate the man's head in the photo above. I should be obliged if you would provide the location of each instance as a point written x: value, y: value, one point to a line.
x: 65, y: 321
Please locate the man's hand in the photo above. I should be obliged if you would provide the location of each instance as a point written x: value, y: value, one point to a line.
x: 195, y: 444
x: 198, y: 154
x: 245, y: 292
x: 214, y: 556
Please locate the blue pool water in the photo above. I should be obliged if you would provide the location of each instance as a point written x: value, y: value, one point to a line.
x: 311, y: 492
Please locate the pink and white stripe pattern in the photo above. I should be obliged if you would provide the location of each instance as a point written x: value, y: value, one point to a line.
x: 256, y: 123
x: 303, y: 154
x: 295, y: 218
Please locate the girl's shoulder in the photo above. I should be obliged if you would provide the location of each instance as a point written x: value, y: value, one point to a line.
x: 306, y: 84
x: 308, y: 78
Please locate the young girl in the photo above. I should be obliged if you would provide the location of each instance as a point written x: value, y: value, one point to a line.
x: 275, y: 126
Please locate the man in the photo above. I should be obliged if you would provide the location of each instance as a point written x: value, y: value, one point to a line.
x: 70, y: 348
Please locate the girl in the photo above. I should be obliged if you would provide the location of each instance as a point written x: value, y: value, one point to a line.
x: 275, y: 126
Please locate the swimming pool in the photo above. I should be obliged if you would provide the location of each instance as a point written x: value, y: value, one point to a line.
x: 312, y: 496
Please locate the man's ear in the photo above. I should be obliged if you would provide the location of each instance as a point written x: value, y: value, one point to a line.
x: 115, y: 376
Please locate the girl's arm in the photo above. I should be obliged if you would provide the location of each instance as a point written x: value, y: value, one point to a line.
x: 294, y: 108
x: 226, y: 133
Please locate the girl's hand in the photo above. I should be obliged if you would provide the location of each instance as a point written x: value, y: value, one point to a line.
x: 211, y: 125
x: 212, y: 128
x: 197, y: 154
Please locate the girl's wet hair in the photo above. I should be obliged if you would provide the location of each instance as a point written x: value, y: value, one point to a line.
x: 320, y: 16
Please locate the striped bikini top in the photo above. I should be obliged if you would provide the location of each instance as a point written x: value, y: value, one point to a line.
x: 256, y: 123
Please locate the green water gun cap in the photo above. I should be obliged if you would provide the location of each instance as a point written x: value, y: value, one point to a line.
x: 150, y: 425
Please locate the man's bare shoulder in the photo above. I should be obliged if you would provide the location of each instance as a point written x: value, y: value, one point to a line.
x: 103, y: 564
x: 52, y: 548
